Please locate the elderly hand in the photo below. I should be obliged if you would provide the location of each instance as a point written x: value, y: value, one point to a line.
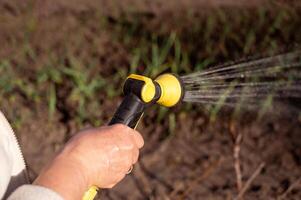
x: 100, y: 157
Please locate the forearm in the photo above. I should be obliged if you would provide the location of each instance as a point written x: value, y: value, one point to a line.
x: 64, y: 177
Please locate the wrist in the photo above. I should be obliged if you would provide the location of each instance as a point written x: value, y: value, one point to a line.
x: 65, y: 177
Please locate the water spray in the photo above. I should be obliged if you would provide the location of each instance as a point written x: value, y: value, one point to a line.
x: 140, y: 93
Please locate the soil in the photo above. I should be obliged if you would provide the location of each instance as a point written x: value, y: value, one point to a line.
x: 196, y: 160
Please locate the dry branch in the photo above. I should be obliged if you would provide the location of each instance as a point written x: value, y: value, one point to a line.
x: 290, y: 188
x: 237, y: 166
x: 207, y: 172
x: 249, y: 182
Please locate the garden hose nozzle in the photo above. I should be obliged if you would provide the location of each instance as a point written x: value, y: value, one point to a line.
x: 141, y: 92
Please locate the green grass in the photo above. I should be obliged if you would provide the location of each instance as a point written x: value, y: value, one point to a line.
x: 6, y: 83
x: 193, y: 44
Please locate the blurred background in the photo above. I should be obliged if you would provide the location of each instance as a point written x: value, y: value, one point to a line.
x: 63, y: 64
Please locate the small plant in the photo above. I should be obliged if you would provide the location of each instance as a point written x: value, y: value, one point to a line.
x: 7, y: 83
x: 85, y: 86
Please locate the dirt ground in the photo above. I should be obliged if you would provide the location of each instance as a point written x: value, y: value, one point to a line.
x: 187, y: 155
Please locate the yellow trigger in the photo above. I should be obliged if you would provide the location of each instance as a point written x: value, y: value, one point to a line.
x: 149, y: 90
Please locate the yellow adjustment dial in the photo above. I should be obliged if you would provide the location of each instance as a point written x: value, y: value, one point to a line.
x: 171, y: 90
x: 149, y: 90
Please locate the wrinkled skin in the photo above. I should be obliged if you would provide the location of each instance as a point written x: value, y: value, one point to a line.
x: 100, y: 156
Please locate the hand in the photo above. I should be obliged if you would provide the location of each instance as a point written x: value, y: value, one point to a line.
x: 100, y: 157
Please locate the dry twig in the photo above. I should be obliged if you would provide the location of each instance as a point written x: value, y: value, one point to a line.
x: 143, y: 183
x: 207, y: 172
x: 249, y: 182
x: 290, y: 188
x: 236, y: 151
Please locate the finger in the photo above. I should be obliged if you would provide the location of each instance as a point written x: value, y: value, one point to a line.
x: 125, y: 141
x: 117, y: 179
x: 121, y: 160
x: 137, y: 137
x: 119, y: 128
x: 135, y: 155
x: 135, y: 150
x: 122, y: 129
x: 110, y: 186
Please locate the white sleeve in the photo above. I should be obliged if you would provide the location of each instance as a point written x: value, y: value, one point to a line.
x: 12, y: 165
x: 34, y: 192
x: 5, y: 171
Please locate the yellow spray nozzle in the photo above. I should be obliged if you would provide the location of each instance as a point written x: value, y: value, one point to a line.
x: 165, y: 90
x: 171, y: 90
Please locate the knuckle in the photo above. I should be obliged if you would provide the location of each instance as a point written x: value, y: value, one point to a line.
x: 127, y: 142
x: 130, y: 144
x: 119, y: 127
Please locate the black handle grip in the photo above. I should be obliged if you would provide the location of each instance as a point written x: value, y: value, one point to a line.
x: 129, y: 112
